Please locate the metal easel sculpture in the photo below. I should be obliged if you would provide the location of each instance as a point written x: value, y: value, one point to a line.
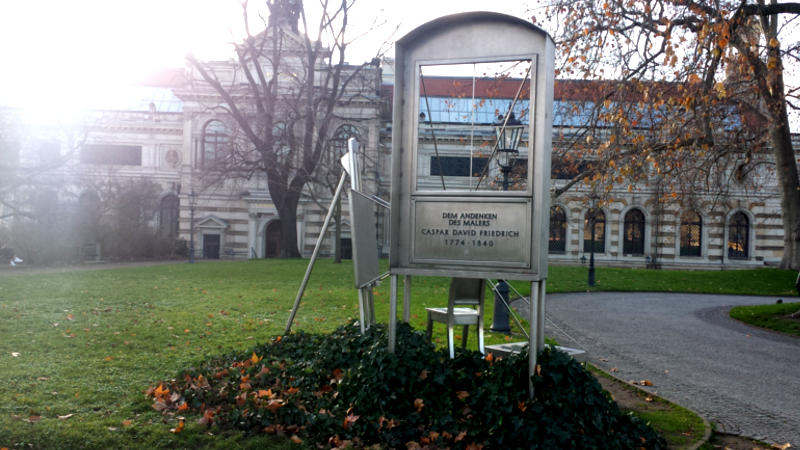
x: 365, y: 249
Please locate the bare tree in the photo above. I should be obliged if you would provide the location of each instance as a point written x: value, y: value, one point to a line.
x: 288, y: 82
x: 698, y: 98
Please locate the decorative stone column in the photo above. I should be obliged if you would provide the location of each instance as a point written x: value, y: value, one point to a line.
x: 252, y: 236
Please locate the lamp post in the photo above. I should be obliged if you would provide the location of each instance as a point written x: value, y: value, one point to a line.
x: 192, y: 202
x: 592, y: 224
x: 509, y: 134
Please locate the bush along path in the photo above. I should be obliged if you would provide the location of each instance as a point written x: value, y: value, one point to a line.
x: 343, y: 389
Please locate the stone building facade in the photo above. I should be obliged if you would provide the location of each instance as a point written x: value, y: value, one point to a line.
x: 167, y: 130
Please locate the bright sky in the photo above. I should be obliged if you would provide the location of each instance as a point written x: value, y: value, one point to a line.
x: 58, y: 53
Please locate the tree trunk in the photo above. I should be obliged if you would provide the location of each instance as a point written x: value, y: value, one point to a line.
x: 287, y: 211
x: 788, y: 184
x: 337, y: 235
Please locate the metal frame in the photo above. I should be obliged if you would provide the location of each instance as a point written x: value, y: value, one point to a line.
x: 457, y: 39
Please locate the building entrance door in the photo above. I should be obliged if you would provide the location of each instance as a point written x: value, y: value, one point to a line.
x: 272, y: 239
x: 347, y: 248
x: 211, y: 246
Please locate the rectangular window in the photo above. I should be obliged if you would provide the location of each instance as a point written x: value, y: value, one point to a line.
x: 457, y: 166
x: 112, y: 155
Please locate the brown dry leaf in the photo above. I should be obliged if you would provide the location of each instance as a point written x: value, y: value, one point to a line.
x: 177, y: 429
x: 159, y: 406
x: 127, y: 422
x: 296, y: 439
x: 782, y: 446
x: 419, y: 404
x: 461, y: 436
x: 338, y: 375
x: 33, y: 419
x: 647, y: 383
x: 521, y: 406
x: 424, y: 374
x: 603, y: 359
x: 648, y: 399
x: 462, y: 395
x: 207, y: 419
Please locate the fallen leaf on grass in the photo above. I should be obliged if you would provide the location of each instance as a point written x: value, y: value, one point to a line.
x: 177, y: 429
x: 127, y: 422
x: 33, y: 419
x: 15, y: 354
x: 111, y: 429
x: 296, y: 439
x: 65, y: 417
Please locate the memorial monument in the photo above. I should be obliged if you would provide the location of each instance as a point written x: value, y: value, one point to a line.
x: 490, y: 221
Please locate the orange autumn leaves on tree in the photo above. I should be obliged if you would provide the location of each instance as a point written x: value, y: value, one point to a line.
x: 683, y: 97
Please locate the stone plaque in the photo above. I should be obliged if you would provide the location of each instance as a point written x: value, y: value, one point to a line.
x: 473, y: 232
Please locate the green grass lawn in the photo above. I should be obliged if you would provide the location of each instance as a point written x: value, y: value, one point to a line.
x: 85, y: 345
x: 772, y: 317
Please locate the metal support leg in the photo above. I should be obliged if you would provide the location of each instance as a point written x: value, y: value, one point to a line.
x: 407, y: 298
x: 541, y: 316
x: 393, y: 315
x: 533, y: 344
x: 361, y: 311
x: 314, y: 255
x: 371, y: 301
x: 464, y: 336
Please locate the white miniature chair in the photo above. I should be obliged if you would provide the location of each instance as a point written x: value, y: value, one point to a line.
x: 463, y: 291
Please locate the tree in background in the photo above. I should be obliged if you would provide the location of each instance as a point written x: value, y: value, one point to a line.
x: 697, y: 101
x: 291, y: 78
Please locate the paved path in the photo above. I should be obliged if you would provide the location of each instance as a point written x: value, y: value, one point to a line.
x: 744, y: 379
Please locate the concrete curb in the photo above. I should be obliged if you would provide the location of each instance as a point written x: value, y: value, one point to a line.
x: 706, y: 423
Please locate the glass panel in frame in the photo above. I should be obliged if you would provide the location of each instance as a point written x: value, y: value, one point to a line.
x: 461, y: 109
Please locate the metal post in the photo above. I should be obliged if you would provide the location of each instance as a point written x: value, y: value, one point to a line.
x: 591, y: 254
x: 500, y: 320
x: 314, y: 255
x: 533, y: 336
x: 191, y: 237
x: 407, y: 299
x: 393, y: 315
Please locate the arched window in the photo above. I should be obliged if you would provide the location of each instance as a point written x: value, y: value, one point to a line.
x: 340, y: 138
x: 739, y: 236
x: 691, y: 234
x: 594, y: 225
x: 216, y: 144
x: 633, y: 233
x: 558, y: 230
x: 168, y: 215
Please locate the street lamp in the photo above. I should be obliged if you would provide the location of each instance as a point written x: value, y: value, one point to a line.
x: 592, y: 224
x: 192, y: 202
x: 509, y: 134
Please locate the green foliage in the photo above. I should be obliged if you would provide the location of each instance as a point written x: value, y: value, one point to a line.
x: 772, y: 317
x: 344, y: 387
